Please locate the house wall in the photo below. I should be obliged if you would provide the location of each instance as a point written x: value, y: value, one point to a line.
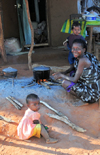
x: 59, y: 11
x: 10, y: 19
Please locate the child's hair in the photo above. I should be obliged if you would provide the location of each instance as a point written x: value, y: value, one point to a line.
x: 82, y: 42
x: 31, y: 97
x: 75, y: 24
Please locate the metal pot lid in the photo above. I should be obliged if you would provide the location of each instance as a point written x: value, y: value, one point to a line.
x: 9, y: 70
x: 41, y: 68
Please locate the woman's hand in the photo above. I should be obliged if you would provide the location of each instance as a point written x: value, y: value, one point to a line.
x: 57, y: 76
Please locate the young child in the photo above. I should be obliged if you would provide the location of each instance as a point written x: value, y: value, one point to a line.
x: 30, y: 124
x: 76, y: 28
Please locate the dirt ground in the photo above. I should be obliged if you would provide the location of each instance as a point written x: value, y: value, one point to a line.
x: 70, y: 141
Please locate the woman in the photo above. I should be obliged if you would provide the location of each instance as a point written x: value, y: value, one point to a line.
x: 86, y: 82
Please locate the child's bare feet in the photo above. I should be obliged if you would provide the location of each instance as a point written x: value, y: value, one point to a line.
x: 45, y: 134
x: 51, y: 141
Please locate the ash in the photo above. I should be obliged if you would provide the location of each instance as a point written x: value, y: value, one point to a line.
x: 55, y: 94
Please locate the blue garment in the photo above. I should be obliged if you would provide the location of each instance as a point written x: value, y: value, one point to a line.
x: 71, y: 58
x: 71, y: 38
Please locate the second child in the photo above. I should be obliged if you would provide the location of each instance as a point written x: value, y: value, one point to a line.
x: 30, y: 124
x: 76, y: 28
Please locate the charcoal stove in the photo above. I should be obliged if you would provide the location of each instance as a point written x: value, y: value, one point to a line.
x: 10, y: 73
x: 41, y: 76
x: 41, y: 73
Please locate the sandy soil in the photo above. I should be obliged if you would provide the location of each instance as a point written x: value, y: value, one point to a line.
x: 70, y: 142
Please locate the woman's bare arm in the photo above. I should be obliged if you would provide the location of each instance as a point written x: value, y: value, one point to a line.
x: 71, y: 68
x: 83, y: 63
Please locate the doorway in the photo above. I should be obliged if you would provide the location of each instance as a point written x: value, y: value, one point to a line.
x: 39, y: 18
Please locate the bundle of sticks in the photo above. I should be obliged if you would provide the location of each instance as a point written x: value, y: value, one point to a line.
x: 16, y: 103
x: 60, y: 116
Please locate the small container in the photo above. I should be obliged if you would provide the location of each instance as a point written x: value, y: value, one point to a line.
x: 90, y: 18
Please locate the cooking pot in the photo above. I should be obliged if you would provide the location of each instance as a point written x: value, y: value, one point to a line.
x: 41, y: 72
x: 9, y: 72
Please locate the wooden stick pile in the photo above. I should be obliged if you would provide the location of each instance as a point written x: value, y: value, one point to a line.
x: 62, y: 117
x: 16, y: 103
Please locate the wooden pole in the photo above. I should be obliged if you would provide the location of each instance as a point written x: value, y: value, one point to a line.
x: 90, y: 39
x: 2, y: 49
x: 32, y: 36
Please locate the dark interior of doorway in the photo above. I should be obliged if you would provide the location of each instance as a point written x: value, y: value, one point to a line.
x: 40, y: 27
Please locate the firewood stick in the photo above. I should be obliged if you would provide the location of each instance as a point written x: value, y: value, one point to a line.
x: 43, y: 84
x: 48, y: 82
x: 56, y: 81
x: 29, y: 85
x: 67, y: 121
x: 16, y: 106
x: 6, y: 119
x: 51, y: 83
x: 16, y: 101
x: 48, y: 106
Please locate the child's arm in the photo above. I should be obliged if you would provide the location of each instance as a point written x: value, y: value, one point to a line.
x: 65, y: 42
x: 36, y: 118
x: 83, y: 63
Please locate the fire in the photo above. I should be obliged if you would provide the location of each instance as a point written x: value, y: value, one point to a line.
x: 44, y: 80
x: 41, y: 80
